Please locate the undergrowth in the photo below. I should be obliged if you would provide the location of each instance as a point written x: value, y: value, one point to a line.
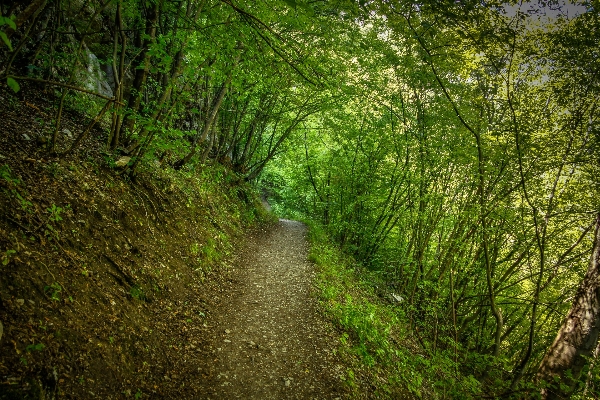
x: 374, y: 335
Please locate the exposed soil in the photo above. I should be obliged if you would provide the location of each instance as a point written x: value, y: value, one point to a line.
x: 112, y: 288
x: 268, y: 339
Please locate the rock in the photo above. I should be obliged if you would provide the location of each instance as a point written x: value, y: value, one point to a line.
x: 227, y: 341
x: 287, y: 382
x: 397, y: 298
x: 122, y: 162
x: 26, y: 137
x: 110, y: 76
x: 20, y: 301
x: 93, y: 77
x: 67, y: 133
x: 227, y: 331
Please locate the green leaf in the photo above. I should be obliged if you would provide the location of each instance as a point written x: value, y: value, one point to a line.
x: 291, y: 3
x: 14, y: 85
x: 6, y: 40
x: 11, y: 22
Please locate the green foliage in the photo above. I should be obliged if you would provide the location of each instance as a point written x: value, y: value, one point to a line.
x: 14, y: 183
x: 25, y: 204
x: 6, y: 174
x: 54, y: 291
x: 35, y: 347
x: 10, y: 22
x: 210, y: 251
x: 13, y: 84
x: 375, y: 336
x: 54, y: 212
x: 54, y: 216
x: 8, y: 254
x: 194, y: 249
x: 137, y: 292
x: 53, y: 169
x: 452, y: 171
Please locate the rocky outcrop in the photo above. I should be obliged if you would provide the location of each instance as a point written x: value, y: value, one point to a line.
x: 94, y: 77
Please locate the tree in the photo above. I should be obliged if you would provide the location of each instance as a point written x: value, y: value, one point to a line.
x: 577, y: 338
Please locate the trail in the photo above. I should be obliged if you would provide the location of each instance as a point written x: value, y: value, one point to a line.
x: 268, y: 339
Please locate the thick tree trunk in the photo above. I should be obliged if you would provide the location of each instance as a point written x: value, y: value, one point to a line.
x: 578, y: 335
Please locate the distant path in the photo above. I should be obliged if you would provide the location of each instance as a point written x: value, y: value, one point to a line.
x: 268, y: 339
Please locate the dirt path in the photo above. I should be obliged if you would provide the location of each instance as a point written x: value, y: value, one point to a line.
x: 268, y: 339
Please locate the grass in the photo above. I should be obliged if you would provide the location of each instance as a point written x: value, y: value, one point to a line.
x: 374, y: 336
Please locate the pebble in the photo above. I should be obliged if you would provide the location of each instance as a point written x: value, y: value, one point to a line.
x: 20, y: 302
x: 68, y: 133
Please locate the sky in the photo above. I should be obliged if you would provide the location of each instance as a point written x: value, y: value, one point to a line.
x: 568, y: 9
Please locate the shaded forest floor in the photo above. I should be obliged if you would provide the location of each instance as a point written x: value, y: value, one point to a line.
x: 105, y: 283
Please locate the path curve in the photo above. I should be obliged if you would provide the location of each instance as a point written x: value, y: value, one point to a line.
x: 269, y: 340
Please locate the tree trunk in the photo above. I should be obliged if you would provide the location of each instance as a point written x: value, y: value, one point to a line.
x: 207, y: 125
x: 211, y: 117
x: 141, y: 73
x: 578, y: 335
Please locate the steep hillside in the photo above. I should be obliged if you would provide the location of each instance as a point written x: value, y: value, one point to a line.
x: 105, y: 279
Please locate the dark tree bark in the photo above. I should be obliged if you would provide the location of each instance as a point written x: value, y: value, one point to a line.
x: 207, y: 125
x: 578, y: 335
x: 141, y: 73
x: 211, y: 117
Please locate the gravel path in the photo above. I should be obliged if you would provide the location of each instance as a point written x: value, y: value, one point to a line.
x: 269, y: 340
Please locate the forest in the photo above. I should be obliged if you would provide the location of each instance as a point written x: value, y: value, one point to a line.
x: 444, y: 153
